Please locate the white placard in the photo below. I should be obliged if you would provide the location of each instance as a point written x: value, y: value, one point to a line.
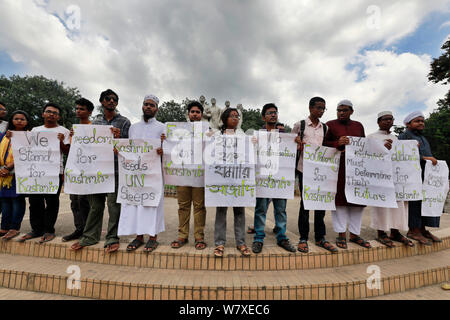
x: 90, y: 164
x: 320, y: 176
x: 37, y: 159
x: 435, y: 188
x: 368, y: 173
x: 183, y: 154
x: 406, y: 169
x: 229, y: 171
x: 275, y: 167
x: 140, y: 176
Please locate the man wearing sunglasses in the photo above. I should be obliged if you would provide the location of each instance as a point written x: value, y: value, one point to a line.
x: 92, y: 231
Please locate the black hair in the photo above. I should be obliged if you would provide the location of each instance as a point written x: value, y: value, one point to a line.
x: 194, y: 104
x: 279, y: 124
x: 3, y: 104
x: 268, y: 106
x: 85, y: 103
x: 54, y: 105
x: 224, y: 117
x: 10, y: 121
x: 107, y: 93
x: 313, y: 101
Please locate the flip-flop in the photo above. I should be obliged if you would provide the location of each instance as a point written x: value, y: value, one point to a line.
x: 47, y: 237
x: 28, y: 236
x: 76, y: 246
x: 10, y: 235
x: 110, y: 249
x: 136, y: 243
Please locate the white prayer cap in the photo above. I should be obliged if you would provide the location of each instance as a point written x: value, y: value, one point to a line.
x: 384, y: 113
x: 412, y: 116
x: 152, y: 97
x: 345, y: 102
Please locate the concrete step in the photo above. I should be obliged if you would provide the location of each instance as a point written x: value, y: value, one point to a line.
x: 106, y: 281
x: 188, y: 258
x: 434, y: 292
x: 13, y: 294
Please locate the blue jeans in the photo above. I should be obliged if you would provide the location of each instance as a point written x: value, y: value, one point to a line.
x: 13, y: 210
x: 279, y: 206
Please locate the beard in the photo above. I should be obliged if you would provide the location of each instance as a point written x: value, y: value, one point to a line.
x: 148, y: 116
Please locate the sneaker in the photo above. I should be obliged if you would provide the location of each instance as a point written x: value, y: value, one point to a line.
x: 286, y: 245
x: 257, y: 247
x: 73, y: 236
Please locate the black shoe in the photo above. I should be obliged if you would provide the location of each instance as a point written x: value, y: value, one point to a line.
x: 275, y: 230
x: 286, y: 245
x: 257, y: 247
x: 73, y: 236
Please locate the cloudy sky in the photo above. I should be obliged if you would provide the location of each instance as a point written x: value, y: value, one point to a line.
x: 375, y: 53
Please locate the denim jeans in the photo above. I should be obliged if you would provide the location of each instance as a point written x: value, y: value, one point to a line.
x: 279, y: 206
x: 13, y: 210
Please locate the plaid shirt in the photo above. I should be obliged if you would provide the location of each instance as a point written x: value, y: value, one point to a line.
x: 118, y: 121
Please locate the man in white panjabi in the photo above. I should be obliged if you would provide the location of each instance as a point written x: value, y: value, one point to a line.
x: 383, y: 219
x: 142, y: 220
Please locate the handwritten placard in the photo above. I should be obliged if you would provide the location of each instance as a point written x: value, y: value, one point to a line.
x: 183, y: 154
x: 140, y: 176
x: 320, y: 176
x: 406, y: 169
x: 435, y: 188
x: 90, y: 164
x: 275, y: 167
x: 229, y: 171
x: 36, y: 161
x: 368, y: 173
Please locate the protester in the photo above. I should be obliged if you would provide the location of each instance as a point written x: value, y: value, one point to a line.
x: 383, y: 219
x: 92, y: 231
x: 13, y: 204
x: 311, y: 131
x: 191, y: 195
x: 3, y: 121
x: 44, y: 207
x: 270, y: 117
x: 79, y: 203
x: 142, y: 220
x: 230, y: 119
x: 415, y: 124
x: 346, y: 214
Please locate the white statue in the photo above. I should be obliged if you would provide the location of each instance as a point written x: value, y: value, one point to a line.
x: 212, y: 114
x: 241, y: 112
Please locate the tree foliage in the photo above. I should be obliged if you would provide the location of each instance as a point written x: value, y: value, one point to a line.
x: 251, y: 119
x: 171, y: 111
x: 32, y: 93
x: 437, y: 126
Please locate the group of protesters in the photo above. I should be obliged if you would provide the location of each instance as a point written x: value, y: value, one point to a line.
x: 139, y: 220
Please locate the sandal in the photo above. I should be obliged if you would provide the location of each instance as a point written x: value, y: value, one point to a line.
x: 200, y: 244
x: 113, y: 247
x: 420, y: 238
x: 136, y: 243
x: 28, y: 236
x: 251, y: 230
x: 341, y: 242
x: 218, y: 251
x: 47, y: 237
x: 178, y: 243
x: 11, y: 234
x: 151, y: 245
x: 399, y: 238
x: 427, y: 234
x: 76, y: 246
x: 360, y: 241
x: 384, y: 239
x: 326, y: 245
x: 303, y: 246
x: 244, y: 250
x: 3, y: 232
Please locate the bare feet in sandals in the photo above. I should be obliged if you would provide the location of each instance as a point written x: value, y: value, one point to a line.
x: 112, y: 247
x: 76, y: 246
x: 176, y: 244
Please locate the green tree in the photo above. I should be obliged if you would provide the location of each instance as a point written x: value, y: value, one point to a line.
x: 171, y: 111
x: 251, y: 119
x: 437, y: 126
x: 32, y: 93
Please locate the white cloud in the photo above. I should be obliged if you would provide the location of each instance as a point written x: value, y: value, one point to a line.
x: 249, y: 52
